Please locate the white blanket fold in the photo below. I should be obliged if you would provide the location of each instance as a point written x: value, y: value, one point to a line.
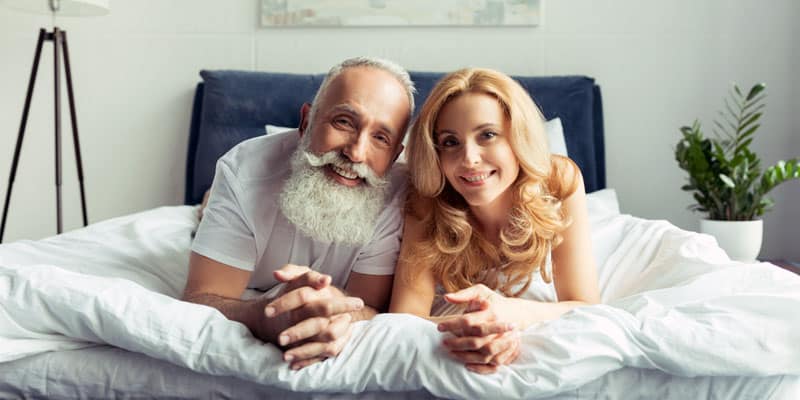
x: 672, y: 301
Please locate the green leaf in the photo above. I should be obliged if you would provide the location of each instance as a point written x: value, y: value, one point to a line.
x: 742, y: 146
x: 756, y: 101
x: 749, y: 121
x: 755, y: 90
x: 753, y: 111
x: 750, y: 131
x: 727, y: 180
x: 732, y: 113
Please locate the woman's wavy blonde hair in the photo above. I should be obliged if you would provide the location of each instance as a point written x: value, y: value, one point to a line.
x: 459, y: 255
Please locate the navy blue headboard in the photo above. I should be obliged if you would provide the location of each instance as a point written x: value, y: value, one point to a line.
x: 231, y: 106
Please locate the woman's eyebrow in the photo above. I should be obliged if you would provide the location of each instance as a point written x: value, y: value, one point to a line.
x: 436, y: 134
x: 486, y: 125
x: 477, y: 128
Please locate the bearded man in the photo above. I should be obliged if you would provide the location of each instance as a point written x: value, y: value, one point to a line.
x: 303, y: 213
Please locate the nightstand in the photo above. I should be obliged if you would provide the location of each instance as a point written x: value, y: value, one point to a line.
x: 791, y: 266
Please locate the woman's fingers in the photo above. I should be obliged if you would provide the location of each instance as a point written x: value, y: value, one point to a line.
x: 471, y: 293
x: 482, y: 368
x: 478, y: 305
x: 493, y: 343
x: 468, y: 343
x: 458, y: 325
x: 483, y: 351
x: 489, y: 351
x: 304, y: 363
x: 505, y: 349
x: 507, y: 357
x: 475, y: 324
x: 472, y: 357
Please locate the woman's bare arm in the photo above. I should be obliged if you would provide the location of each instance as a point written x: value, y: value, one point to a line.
x: 414, y: 295
x: 574, y: 268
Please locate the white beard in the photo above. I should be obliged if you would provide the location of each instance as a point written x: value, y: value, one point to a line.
x: 328, y: 211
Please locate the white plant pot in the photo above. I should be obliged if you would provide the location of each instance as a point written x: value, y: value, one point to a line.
x: 740, y: 239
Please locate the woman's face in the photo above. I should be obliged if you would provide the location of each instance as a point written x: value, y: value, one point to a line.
x: 472, y: 137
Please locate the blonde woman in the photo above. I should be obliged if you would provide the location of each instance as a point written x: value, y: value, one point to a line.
x: 490, y: 212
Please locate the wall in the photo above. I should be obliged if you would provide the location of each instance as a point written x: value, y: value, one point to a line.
x: 660, y: 65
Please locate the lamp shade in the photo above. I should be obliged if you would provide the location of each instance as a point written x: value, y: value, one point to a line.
x: 66, y: 8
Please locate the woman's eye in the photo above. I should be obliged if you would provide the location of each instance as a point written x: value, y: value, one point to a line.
x: 448, y: 142
x: 489, y: 135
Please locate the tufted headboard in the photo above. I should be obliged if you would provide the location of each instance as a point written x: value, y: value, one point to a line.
x: 232, y: 106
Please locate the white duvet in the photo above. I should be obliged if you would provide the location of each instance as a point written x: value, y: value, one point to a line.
x: 672, y: 301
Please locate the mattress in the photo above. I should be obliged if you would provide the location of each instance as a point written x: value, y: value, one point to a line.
x: 109, y: 372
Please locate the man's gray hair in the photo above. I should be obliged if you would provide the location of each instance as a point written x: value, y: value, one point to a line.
x: 389, y: 66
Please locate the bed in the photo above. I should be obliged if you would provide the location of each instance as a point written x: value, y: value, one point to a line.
x: 93, y: 312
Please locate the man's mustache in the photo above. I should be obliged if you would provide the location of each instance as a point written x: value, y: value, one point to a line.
x: 336, y: 159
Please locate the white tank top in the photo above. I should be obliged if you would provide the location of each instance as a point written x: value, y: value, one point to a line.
x: 539, y: 290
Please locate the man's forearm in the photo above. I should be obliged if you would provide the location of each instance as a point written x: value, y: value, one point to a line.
x: 248, y: 312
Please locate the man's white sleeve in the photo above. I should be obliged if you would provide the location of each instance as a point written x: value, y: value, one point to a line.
x: 224, y: 234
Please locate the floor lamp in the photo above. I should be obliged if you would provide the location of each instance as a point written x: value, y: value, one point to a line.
x: 60, y: 51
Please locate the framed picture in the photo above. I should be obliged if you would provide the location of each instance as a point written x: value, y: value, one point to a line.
x: 320, y: 13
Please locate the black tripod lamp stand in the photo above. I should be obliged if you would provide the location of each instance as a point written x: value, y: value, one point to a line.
x: 60, y: 51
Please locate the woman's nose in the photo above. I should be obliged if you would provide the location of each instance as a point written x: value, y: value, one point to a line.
x: 472, y: 154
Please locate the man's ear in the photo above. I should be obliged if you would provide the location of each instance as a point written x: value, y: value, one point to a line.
x: 400, y: 149
x: 304, y: 114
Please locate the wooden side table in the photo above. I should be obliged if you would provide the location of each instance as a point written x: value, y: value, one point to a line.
x: 791, y: 266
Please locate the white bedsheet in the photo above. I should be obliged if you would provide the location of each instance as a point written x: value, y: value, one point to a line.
x: 672, y: 302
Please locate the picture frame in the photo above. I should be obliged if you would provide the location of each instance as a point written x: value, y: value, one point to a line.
x: 375, y: 13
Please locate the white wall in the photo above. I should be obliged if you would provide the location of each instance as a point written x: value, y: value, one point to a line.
x: 660, y: 64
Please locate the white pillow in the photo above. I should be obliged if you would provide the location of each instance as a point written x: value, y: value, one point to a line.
x: 273, y: 129
x: 602, y: 203
x: 555, y: 137
x: 553, y: 129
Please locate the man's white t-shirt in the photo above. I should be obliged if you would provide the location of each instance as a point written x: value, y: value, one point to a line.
x: 243, y: 225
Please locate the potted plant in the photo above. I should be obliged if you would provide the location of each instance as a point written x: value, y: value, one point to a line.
x: 725, y: 176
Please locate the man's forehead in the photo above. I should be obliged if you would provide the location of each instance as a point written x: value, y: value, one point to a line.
x: 367, y: 92
x: 363, y: 78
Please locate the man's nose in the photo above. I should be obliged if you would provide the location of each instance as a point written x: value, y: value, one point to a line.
x: 356, y: 148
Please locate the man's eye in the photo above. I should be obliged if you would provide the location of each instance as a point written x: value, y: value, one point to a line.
x: 343, y: 122
x: 383, y: 138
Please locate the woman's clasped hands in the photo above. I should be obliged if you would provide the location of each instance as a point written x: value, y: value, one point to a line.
x: 484, y: 337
